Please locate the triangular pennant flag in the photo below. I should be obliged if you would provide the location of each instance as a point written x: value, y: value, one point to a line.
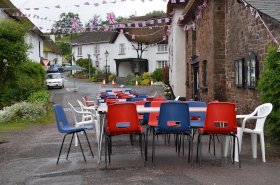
x: 159, y: 21
x: 143, y: 24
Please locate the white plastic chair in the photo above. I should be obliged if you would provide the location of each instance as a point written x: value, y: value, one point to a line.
x: 96, y: 117
x: 87, y: 119
x: 260, y: 114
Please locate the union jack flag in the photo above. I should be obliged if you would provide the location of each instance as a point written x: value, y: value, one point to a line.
x: 111, y: 18
x: 75, y: 23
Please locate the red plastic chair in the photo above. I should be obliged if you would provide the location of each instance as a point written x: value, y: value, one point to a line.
x: 122, y: 118
x: 111, y: 101
x: 220, y: 119
x: 87, y: 102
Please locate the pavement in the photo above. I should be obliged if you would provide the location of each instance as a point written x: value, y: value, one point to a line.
x: 29, y: 158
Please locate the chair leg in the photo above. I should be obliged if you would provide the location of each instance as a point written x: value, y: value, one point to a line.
x: 106, y: 149
x: 61, y: 149
x: 110, y: 148
x: 233, y: 151
x: 262, y: 146
x: 81, y: 148
x: 70, y: 146
x: 238, y: 148
x: 89, y: 144
x: 153, y: 151
x: 146, y: 144
x: 200, y: 151
x: 191, y: 139
x: 254, y: 141
x: 214, y: 145
x: 140, y: 140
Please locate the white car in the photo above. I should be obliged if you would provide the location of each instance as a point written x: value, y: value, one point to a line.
x: 54, y: 80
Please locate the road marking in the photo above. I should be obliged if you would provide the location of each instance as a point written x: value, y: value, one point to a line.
x: 71, y: 89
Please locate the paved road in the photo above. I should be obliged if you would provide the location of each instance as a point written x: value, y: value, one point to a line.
x: 29, y: 158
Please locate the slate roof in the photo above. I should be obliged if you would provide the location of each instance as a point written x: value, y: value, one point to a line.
x: 268, y: 7
x: 145, y: 35
x: 13, y: 9
x: 95, y: 38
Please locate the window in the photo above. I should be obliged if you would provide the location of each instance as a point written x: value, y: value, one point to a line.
x: 250, y: 70
x: 96, y: 49
x: 122, y: 49
x: 161, y: 63
x: 80, y: 53
x: 162, y: 48
x: 204, y: 74
x: 239, y: 72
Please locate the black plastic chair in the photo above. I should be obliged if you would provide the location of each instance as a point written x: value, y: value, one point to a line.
x: 65, y: 128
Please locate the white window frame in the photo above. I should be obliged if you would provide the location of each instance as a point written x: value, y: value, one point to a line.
x: 121, y: 49
x: 162, y: 48
x: 161, y: 64
x: 80, y: 51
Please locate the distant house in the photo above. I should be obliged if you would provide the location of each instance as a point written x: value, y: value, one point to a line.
x: 34, y: 38
x: 142, y: 50
x: 52, y: 53
x: 224, y: 53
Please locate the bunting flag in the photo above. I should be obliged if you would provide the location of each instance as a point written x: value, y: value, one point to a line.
x: 75, y: 23
x: 111, y: 18
x: 256, y: 15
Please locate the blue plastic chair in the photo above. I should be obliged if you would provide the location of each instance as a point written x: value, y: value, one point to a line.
x: 197, y: 118
x: 173, y: 119
x: 142, y: 96
x: 65, y: 128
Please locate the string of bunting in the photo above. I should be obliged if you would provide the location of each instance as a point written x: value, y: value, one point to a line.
x: 256, y: 14
x: 87, y: 3
x: 198, y: 15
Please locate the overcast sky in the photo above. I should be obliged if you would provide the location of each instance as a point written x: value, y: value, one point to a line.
x: 86, y: 12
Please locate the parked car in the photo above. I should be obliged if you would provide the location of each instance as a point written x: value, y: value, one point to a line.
x: 54, y: 80
x: 66, y: 66
x: 55, y: 68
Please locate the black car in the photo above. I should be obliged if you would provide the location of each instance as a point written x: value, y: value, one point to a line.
x: 55, y: 68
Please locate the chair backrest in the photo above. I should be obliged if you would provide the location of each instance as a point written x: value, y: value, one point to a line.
x: 122, y: 118
x: 197, y: 116
x: 220, y: 118
x: 262, y: 111
x: 173, y: 117
x: 146, y: 115
x: 153, y: 116
x: 61, y: 119
x: 74, y: 111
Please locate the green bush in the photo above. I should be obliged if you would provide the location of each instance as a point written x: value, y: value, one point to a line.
x: 130, y: 79
x: 40, y: 97
x: 146, y: 78
x: 158, y: 75
x: 24, y: 111
x: 84, y: 62
x: 269, y: 86
x: 112, y: 77
x: 29, y: 78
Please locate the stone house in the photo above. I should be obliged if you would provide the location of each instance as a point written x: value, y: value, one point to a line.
x: 51, y: 53
x: 224, y: 54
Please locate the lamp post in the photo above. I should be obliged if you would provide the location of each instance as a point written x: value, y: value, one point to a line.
x: 89, y: 62
x: 106, y: 70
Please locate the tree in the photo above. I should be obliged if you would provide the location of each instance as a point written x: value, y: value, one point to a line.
x: 269, y: 86
x: 67, y: 22
x: 155, y: 14
x: 13, y: 49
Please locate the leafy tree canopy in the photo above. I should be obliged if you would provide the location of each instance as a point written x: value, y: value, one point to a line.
x: 65, y: 22
x: 13, y: 49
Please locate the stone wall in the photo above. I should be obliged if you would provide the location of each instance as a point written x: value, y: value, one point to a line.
x: 244, y: 34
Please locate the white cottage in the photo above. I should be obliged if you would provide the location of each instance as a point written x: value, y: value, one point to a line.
x: 34, y: 38
x: 142, y: 50
x: 52, y: 53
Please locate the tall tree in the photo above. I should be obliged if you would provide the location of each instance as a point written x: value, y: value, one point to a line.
x: 67, y: 23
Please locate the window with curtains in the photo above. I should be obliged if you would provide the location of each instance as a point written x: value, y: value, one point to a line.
x: 161, y: 64
x: 251, y: 70
x: 162, y: 48
x: 239, y: 72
